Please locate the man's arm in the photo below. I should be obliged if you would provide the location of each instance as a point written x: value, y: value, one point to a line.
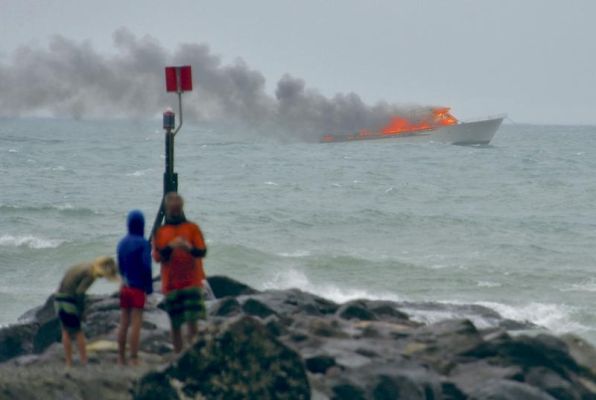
x: 198, y: 248
x: 161, y: 254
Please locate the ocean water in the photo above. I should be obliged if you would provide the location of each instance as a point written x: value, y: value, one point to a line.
x: 510, y: 226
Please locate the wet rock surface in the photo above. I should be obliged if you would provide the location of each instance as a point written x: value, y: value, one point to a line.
x: 289, y: 344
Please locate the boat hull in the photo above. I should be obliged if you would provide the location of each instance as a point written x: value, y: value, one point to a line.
x: 468, y: 133
x: 464, y: 133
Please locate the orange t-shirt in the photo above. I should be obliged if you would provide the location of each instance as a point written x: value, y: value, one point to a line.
x: 181, y: 270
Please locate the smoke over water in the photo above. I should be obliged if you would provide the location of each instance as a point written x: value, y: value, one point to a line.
x: 72, y: 79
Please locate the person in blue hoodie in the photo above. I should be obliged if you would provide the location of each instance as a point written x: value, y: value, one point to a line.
x: 134, y: 262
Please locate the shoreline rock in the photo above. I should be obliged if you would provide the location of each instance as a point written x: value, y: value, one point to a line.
x: 278, y: 344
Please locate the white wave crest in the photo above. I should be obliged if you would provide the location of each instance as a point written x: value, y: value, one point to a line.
x: 62, y: 207
x: 488, y: 284
x: 588, y: 285
x: 293, y: 278
x: 30, y: 241
x: 295, y: 254
x: 140, y: 172
x: 555, y: 317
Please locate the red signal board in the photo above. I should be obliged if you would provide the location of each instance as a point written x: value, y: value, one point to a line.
x: 179, y: 79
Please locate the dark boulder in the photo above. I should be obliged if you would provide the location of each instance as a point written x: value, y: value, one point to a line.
x: 552, y: 383
x: 540, y: 351
x: 581, y: 351
x: 46, y: 335
x: 41, y: 314
x: 275, y: 326
x: 45, y: 323
x: 101, y: 323
x: 295, y: 301
x: 402, y: 386
x: 257, y: 309
x: 508, y: 390
x: 236, y: 360
x: 155, y: 386
x: 389, y: 381
x: 325, y: 327
x: 222, y: 286
x: 319, y: 364
x: 469, y: 376
x: 444, y: 344
x: 225, y: 307
x: 356, y: 309
x: 450, y: 391
x: 387, y: 311
x: 16, y: 340
x: 347, y: 391
x: 481, y: 316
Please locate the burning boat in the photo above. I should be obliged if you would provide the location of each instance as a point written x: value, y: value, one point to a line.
x: 438, y: 125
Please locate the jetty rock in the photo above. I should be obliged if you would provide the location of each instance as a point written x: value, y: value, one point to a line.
x: 290, y: 344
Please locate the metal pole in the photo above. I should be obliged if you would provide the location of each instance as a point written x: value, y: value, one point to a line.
x: 179, y: 113
x: 170, y: 179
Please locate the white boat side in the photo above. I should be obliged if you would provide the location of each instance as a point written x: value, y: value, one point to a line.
x: 468, y: 133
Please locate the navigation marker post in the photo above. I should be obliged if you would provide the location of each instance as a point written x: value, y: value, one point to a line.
x: 178, y: 80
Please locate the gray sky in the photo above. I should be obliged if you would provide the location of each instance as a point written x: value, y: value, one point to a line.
x: 534, y: 59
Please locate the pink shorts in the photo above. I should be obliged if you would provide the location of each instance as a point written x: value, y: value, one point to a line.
x: 132, y: 297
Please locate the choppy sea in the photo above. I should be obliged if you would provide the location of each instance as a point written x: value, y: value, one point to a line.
x: 511, y: 226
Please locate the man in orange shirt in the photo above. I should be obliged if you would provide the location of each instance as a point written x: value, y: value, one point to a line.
x: 180, y: 247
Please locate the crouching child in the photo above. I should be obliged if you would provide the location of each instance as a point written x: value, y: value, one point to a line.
x: 69, y: 301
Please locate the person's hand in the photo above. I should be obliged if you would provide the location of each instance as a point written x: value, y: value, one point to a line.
x: 175, y: 243
x: 180, y: 243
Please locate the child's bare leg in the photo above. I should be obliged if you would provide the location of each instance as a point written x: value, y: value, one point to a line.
x: 177, y: 339
x: 122, y: 333
x: 193, y: 329
x: 136, y: 318
x: 66, y: 342
x: 82, y: 347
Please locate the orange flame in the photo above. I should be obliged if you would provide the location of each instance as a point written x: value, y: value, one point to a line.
x: 437, y: 118
x: 398, y: 125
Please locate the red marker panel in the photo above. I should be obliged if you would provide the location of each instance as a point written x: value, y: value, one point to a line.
x: 179, y: 79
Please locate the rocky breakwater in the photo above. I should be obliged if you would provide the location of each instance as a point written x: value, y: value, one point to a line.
x: 289, y: 344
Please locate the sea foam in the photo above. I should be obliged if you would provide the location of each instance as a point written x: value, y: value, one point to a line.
x: 30, y: 241
x: 293, y: 278
x: 555, y: 317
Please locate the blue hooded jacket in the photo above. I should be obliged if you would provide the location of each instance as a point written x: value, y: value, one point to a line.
x: 134, y: 255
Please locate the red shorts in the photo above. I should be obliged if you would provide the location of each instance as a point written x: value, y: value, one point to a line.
x: 132, y: 297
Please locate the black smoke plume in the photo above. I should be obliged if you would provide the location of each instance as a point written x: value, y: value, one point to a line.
x: 70, y: 78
